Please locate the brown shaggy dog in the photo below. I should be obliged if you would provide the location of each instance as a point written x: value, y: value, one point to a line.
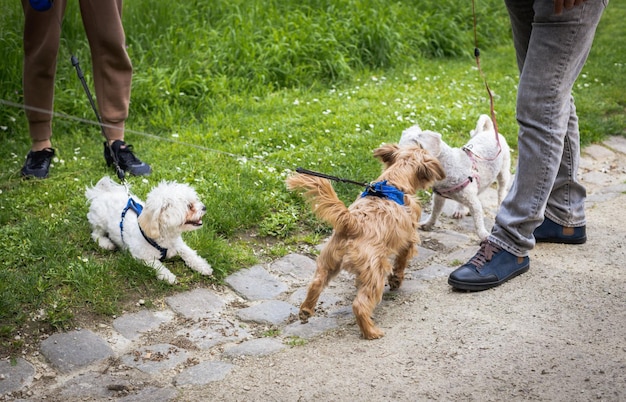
x: 373, y: 230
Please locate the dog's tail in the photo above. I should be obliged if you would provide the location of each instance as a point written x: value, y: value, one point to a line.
x: 105, y: 184
x: 324, y: 201
x: 484, y: 124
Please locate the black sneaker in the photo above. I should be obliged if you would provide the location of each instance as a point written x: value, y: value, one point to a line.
x: 127, y: 161
x: 38, y: 163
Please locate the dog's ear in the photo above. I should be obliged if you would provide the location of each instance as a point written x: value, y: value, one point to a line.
x: 409, y: 135
x: 430, y: 170
x: 484, y: 123
x: 387, y: 153
x: 431, y: 141
x: 150, y: 222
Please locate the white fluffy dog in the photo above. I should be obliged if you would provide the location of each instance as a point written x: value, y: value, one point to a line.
x: 469, y: 170
x: 150, y: 231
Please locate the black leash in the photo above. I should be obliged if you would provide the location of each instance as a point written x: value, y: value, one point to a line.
x: 81, y: 77
x: 334, y: 178
x: 379, y: 189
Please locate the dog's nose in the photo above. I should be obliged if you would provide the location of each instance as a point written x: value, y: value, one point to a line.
x: 203, y: 208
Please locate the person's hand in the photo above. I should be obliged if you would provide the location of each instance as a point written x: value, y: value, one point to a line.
x: 559, y: 5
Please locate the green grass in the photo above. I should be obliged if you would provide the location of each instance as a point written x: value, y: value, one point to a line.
x: 230, y: 96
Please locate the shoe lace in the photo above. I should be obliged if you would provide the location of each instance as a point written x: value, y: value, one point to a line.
x: 126, y: 156
x: 485, y: 254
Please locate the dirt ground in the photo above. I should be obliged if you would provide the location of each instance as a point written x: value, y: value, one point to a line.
x: 556, y: 333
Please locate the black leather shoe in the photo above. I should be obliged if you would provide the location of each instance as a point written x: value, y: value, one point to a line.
x: 38, y: 163
x: 126, y: 160
x: 551, y: 232
x: 490, y: 267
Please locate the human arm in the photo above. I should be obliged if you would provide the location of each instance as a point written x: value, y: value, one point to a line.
x: 559, y: 5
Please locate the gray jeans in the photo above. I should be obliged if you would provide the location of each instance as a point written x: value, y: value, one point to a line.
x: 551, y: 51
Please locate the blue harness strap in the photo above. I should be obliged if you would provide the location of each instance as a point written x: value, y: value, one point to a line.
x: 383, y: 190
x: 138, y: 208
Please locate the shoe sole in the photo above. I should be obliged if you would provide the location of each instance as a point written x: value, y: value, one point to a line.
x: 487, y: 285
x: 560, y: 240
x: 29, y: 176
x: 109, y: 163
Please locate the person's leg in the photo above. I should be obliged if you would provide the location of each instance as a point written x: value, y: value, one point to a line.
x: 42, y: 30
x: 551, y: 51
x: 113, y: 72
x: 567, y: 190
x: 566, y: 204
x: 521, y: 16
x: 564, y: 216
x: 112, y: 68
x: 548, y: 141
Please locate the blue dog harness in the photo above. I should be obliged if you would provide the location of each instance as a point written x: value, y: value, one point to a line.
x: 382, y: 190
x: 138, y: 208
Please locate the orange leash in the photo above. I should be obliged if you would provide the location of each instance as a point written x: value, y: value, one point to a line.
x: 491, y: 101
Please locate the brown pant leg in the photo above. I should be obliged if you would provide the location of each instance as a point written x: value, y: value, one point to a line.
x: 42, y: 31
x: 112, y: 69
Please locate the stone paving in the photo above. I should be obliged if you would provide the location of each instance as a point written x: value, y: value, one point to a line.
x: 199, y: 336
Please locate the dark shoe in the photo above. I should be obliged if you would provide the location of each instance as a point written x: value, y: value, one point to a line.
x: 38, y: 163
x: 551, y: 232
x: 126, y: 160
x: 490, y: 267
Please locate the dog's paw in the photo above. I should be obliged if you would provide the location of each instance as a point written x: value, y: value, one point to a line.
x: 105, y: 243
x: 204, y: 268
x: 394, y: 282
x: 373, y: 333
x: 304, y: 315
x: 426, y: 227
x: 461, y: 212
x: 483, y: 235
x: 207, y: 272
x: 167, y: 276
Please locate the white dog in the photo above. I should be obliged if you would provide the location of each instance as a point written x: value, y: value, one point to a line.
x: 469, y: 170
x: 150, y: 231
